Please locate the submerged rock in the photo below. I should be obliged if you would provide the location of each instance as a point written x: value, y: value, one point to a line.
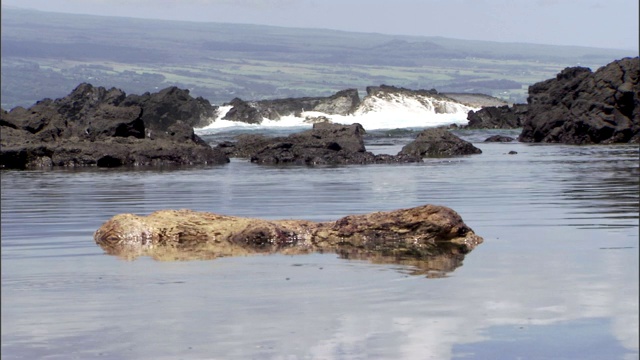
x: 414, y: 236
x: 499, y: 138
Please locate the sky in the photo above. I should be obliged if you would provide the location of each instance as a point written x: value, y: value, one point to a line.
x: 593, y: 23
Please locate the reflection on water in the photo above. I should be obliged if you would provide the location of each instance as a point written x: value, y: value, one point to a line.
x: 590, y: 336
x: 432, y: 266
x: 603, y: 192
x: 558, y: 269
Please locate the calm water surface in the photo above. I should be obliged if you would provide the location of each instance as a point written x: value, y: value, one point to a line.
x: 557, y: 275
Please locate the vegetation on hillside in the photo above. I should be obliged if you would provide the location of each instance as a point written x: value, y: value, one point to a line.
x: 48, y: 54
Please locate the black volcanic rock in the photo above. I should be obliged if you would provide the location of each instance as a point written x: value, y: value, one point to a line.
x: 389, y: 89
x: 340, y: 137
x: 324, y: 144
x: 243, y: 111
x: 93, y: 126
x: 438, y: 142
x: 162, y: 109
x: 440, y: 103
x: 85, y: 113
x: 582, y: 107
x: 499, y: 138
x: 340, y: 103
x: 476, y: 100
x: 497, y: 117
x: 344, y: 102
x: 245, y: 145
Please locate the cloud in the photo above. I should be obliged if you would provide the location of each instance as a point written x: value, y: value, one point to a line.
x: 192, y: 3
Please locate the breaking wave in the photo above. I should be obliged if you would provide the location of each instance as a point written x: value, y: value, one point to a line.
x: 394, y: 111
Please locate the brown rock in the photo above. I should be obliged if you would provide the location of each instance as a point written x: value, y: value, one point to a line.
x: 421, y: 236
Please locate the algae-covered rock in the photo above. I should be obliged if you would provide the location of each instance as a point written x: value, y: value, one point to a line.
x: 417, y: 236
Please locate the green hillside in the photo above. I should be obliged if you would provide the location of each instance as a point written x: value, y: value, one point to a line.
x: 48, y: 54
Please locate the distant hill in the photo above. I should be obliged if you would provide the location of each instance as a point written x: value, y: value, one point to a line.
x: 48, y: 54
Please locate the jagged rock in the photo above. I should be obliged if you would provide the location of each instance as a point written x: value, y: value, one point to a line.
x: 87, y: 112
x: 345, y: 137
x: 501, y: 117
x: 438, y: 142
x: 423, y: 236
x: 328, y: 143
x: 341, y: 103
x: 316, y: 119
x: 245, y: 145
x: 164, y: 108
x: 476, y: 100
x: 324, y: 144
x: 345, y: 102
x: 582, y: 107
x: 389, y: 89
x: 93, y: 126
x: 243, y: 111
x: 499, y: 138
x: 430, y: 100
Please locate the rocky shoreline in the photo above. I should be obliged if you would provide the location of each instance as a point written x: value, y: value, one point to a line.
x: 93, y: 126
x: 577, y: 107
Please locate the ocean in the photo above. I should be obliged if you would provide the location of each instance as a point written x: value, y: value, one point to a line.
x: 556, y: 276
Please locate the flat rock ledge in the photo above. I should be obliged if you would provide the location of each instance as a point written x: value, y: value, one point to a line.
x: 433, y: 239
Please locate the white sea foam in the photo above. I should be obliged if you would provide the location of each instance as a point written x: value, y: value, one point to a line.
x: 374, y: 113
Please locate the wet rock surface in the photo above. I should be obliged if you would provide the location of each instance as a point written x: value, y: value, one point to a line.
x: 344, y: 102
x: 577, y: 107
x: 501, y: 117
x: 499, y: 138
x: 324, y: 144
x: 476, y: 100
x: 584, y: 107
x: 252, y: 112
x: 438, y: 142
x: 94, y: 126
x: 426, y: 236
x: 162, y: 109
x: 334, y: 144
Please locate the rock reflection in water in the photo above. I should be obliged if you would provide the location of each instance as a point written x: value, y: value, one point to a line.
x: 432, y: 266
x: 431, y: 239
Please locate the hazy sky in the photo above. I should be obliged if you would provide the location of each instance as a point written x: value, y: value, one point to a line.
x: 597, y: 23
